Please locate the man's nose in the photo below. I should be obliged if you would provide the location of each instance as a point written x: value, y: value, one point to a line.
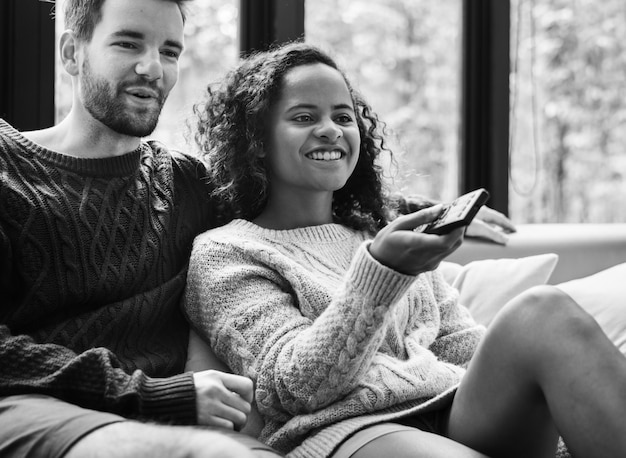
x: 150, y: 66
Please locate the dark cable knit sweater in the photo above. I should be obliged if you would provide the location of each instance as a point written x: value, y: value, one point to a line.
x: 93, y: 259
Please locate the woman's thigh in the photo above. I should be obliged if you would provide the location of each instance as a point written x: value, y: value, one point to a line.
x: 401, y: 441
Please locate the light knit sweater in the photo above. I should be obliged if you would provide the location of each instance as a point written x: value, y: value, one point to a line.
x: 333, y: 339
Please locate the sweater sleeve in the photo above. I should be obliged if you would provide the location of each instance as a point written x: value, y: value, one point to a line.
x: 92, y: 379
x: 248, y: 311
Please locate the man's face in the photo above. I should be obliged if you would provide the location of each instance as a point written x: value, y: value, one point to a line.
x: 131, y: 64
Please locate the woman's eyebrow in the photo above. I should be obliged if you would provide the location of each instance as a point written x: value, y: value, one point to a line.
x: 311, y: 106
x: 343, y: 106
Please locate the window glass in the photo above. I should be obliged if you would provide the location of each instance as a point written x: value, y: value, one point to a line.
x: 404, y: 56
x: 210, y: 49
x: 568, y: 111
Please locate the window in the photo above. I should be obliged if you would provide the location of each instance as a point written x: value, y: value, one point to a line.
x: 210, y: 49
x: 404, y: 56
x: 568, y: 111
x: 559, y: 157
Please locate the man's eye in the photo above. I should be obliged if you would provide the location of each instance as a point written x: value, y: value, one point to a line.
x: 126, y: 45
x: 171, y: 54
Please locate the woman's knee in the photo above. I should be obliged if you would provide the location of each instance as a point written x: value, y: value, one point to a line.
x: 544, y: 315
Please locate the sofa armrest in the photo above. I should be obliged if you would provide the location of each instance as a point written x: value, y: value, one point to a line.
x: 583, y: 249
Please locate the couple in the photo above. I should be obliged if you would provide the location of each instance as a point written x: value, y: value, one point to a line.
x: 95, y: 233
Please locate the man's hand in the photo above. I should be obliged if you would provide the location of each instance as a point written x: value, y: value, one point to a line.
x: 491, y: 225
x: 400, y: 248
x: 223, y: 399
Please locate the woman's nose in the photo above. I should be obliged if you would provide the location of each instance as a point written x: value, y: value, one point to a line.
x: 329, y: 130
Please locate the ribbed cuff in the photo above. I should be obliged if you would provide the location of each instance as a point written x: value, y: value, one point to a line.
x: 171, y: 399
x: 382, y: 285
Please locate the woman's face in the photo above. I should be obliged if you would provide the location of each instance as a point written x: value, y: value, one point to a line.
x: 313, y: 137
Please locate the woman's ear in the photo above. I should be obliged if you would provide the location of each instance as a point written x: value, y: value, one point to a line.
x: 68, y: 49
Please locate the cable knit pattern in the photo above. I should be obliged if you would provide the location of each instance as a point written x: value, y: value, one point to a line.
x: 93, y: 258
x: 333, y: 339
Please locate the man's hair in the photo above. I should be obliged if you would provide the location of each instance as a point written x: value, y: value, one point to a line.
x: 230, y: 127
x: 82, y: 16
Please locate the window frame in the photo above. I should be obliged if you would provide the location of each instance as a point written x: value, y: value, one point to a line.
x: 27, y: 51
x: 484, y: 137
x: 266, y: 22
x: 27, y: 45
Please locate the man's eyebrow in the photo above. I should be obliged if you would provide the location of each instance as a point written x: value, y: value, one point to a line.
x: 140, y: 36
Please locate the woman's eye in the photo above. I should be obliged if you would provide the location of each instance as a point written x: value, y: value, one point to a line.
x: 303, y: 118
x: 344, y: 119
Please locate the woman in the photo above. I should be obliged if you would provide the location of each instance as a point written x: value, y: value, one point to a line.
x: 356, y: 344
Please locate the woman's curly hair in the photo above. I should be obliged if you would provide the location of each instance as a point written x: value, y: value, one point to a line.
x: 230, y: 129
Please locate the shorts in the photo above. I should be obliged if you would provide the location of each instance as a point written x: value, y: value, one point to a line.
x: 41, y: 426
x: 36, y: 426
x: 433, y: 422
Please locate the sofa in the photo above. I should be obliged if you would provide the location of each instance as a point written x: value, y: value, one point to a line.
x: 583, y: 249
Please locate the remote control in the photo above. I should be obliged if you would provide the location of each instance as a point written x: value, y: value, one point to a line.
x: 458, y: 213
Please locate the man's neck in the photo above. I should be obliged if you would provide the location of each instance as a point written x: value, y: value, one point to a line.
x: 84, y: 137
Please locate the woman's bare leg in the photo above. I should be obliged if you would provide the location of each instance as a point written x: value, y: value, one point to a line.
x: 545, y: 367
x: 415, y: 444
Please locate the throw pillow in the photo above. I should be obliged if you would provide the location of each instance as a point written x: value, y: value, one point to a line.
x: 603, y: 295
x: 486, y: 285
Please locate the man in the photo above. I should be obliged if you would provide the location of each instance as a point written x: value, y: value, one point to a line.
x: 95, y: 231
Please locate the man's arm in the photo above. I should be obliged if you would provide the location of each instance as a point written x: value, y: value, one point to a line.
x: 93, y: 379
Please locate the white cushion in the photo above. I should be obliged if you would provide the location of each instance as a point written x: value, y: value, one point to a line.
x: 486, y: 285
x: 603, y: 295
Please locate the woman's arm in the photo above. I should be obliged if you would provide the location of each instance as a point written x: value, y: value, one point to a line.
x: 245, y: 303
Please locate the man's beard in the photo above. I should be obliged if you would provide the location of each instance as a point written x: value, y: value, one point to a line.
x: 105, y: 103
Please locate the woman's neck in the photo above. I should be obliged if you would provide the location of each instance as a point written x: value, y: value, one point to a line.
x: 288, y: 212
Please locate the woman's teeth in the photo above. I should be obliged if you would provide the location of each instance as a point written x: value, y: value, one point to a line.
x: 325, y: 155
